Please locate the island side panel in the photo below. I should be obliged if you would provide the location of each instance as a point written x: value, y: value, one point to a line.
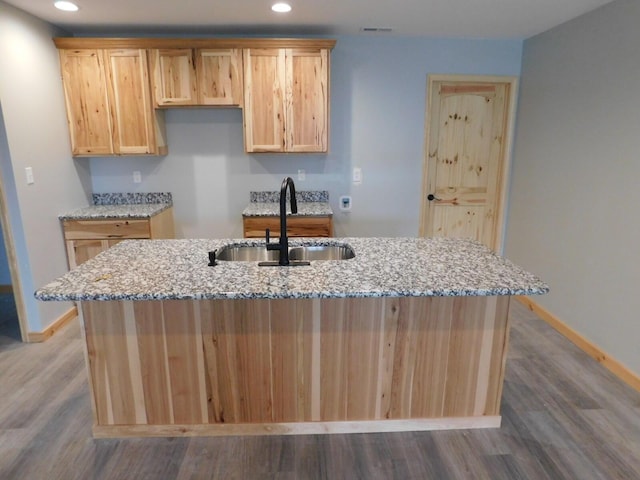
x: 183, y: 363
x: 428, y: 339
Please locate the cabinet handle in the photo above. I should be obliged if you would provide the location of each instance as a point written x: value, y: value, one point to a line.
x: 431, y: 197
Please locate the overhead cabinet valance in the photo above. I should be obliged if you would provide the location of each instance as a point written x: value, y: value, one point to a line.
x: 114, y: 107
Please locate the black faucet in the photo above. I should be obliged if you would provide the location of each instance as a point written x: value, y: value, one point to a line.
x: 283, y: 245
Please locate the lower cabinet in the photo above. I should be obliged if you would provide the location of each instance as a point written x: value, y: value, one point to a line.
x: 317, y: 226
x: 84, y: 239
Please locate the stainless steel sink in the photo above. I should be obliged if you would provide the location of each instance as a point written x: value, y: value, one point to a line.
x: 321, y: 252
x: 259, y: 253
x: 247, y: 253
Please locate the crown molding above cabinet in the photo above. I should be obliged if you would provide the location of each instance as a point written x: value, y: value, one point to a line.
x: 117, y: 88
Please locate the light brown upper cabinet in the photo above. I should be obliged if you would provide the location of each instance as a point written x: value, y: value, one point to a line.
x: 200, y: 76
x: 85, y: 88
x: 286, y: 99
x: 113, y: 92
x: 108, y: 97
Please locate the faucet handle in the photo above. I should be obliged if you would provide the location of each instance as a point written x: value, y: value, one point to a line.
x: 270, y: 246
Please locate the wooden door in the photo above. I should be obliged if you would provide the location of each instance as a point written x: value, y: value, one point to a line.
x: 85, y: 89
x: 264, y: 86
x: 468, y: 132
x: 174, y: 76
x: 131, y: 110
x: 219, y: 73
x: 307, y: 116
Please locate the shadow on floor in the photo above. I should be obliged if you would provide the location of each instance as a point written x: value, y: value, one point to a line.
x: 9, y: 326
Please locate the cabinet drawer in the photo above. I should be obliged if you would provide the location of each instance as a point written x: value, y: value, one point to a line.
x: 107, y: 229
x: 254, y: 227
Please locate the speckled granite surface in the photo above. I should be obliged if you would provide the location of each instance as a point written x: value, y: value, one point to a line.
x: 121, y: 205
x: 177, y: 269
x: 301, y: 196
x: 131, y: 198
x: 270, y: 209
x: 267, y: 204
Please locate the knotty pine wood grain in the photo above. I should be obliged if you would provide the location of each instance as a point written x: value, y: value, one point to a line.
x: 183, y: 362
x: 106, y: 229
x: 316, y: 226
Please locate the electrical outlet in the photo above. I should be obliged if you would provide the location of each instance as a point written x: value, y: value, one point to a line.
x: 302, y: 175
x: 137, y: 177
x: 29, y: 174
x: 357, y: 175
x: 345, y: 203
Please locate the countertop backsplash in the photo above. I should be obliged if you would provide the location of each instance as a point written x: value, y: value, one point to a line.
x: 132, y: 198
x: 318, y: 196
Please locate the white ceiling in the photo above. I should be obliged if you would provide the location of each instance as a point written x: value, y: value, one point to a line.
x: 434, y: 18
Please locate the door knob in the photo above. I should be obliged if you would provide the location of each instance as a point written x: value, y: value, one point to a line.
x: 431, y: 197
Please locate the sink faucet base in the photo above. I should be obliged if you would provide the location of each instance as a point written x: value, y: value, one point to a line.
x: 292, y: 263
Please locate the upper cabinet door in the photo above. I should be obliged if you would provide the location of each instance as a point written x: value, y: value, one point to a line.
x: 219, y: 74
x: 131, y: 109
x: 264, y: 111
x: 174, y: 76
x: 286, y: 93
x: 307, y: 115
x: 85, y: 89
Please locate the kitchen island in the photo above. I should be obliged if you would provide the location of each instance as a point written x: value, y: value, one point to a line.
x: 411, y: 334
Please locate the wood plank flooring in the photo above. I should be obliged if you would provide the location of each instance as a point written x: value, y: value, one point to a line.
x: 564, y: 417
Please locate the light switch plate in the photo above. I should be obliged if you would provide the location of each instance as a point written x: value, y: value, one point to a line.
x: 29, y: 174
x: 357, y: 175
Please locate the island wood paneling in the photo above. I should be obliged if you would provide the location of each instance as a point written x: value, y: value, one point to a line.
x: 177, y: 366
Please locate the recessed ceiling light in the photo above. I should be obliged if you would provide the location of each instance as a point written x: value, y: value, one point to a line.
x: 66, y: 6
x: 281, y: 7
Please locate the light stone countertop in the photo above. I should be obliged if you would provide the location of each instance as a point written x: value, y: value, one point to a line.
x: 106, y: 212
x: 271, y: 209
x: 178, y: 269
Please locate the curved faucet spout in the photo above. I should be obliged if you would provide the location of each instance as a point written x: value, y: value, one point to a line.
x: 283, y: 244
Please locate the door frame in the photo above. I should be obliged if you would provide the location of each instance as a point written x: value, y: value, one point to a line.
x: 507, y: 148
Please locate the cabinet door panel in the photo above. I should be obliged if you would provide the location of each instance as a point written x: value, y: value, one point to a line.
x: 307, y: 104
x: 174, y: 76
x: 79, y: 251
x: 85, y: 89
x: 133, y: 129
x: 219, y: 74
x: 264, y: 81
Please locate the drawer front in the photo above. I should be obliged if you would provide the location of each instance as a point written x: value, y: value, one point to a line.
x: 106, y: 229
x: 254, y: 227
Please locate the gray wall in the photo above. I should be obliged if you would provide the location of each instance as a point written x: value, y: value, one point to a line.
x: 574, y: 195
x: 34, y: 133
x: 378, y: 87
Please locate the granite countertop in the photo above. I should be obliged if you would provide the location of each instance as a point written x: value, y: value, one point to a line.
x: 178, y: 269
x: 105, y: 212
x: 121, y: 205
x: 272, y: 209
x: 267, y: 204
